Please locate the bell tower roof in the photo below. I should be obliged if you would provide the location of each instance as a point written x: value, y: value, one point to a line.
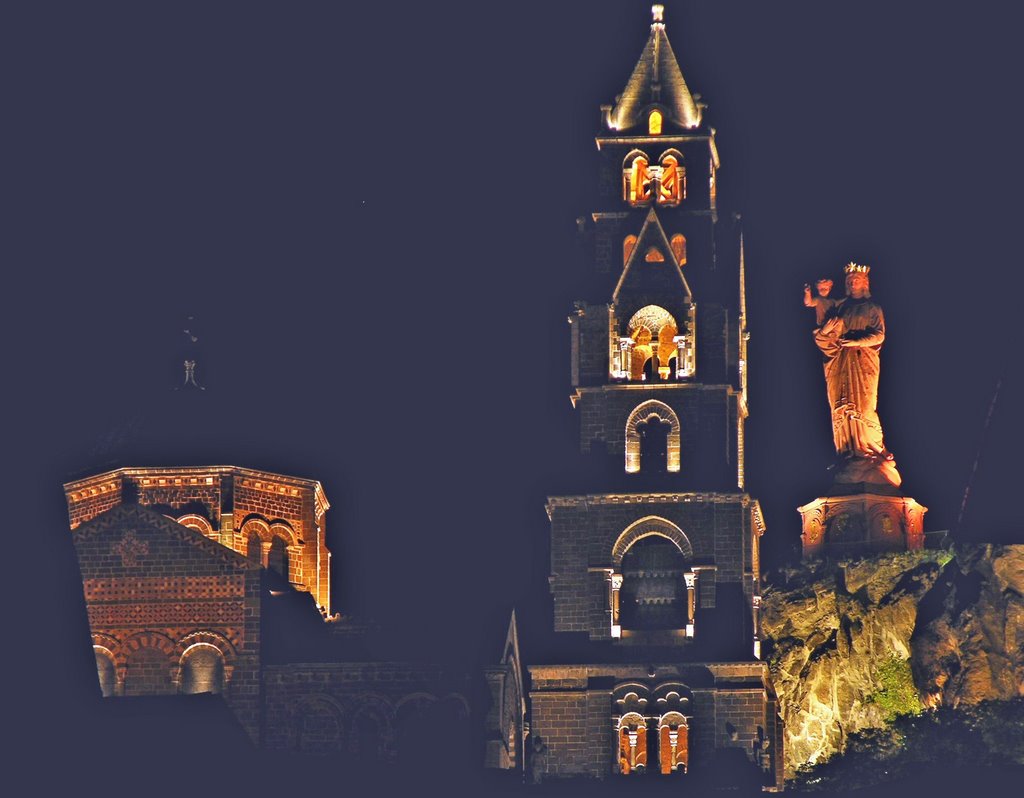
x: 656, y: 81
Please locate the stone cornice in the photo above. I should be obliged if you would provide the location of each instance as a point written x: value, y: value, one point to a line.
x: 601, y: 499
x: 195, y: 475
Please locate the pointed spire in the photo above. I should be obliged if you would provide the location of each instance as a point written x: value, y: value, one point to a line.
x: 657, y: 79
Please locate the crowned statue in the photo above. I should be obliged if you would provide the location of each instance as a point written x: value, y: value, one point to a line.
x: 849, y: 333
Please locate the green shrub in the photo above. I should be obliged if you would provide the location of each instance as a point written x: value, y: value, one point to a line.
x: 896, y: 694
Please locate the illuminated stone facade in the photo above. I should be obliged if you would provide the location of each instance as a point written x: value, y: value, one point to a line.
x: 658, y: 572
x: 193, y: 577
x: 843, y: 525
x: 271, y: 519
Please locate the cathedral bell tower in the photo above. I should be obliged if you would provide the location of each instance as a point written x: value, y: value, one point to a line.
x: 657, y: 571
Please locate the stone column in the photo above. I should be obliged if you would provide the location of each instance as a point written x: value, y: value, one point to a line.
x: 756, y: 604
x: 691, y: 601
x: 625, y: 357
x: 295, y: 566
x: 227, y: 530
x: 615, y: 585
x: 265, y: 553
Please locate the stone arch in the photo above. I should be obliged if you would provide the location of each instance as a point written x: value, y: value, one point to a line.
x: 654, y: 120
x: 148, y: 664
x: 643, y: 412
x: 678, y: 244
x: 628, y: 243
x: 106, y: 670
x: 416, y: 734
x: 283, y: 529
x: 673, y: 743
x: 196, y: 522
x: 406, y: 702
x: 291, y: 567
x: 645, y: 527
x: 631, y: 730
x: 673, y: 697
x: 654, y: 331
x: 672, y: 187
x: 278, y: 559
x: 458, y: 700
x: 319, y: 725
x: 259, y: 525
x: 208, y: 636
x: 255, y: 530
x: 372, y: 728
x: 201, y: 669
x: 145, y: 640
x: 636, y: 178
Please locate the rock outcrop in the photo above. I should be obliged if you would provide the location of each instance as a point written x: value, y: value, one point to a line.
x: 853, y: 644
x: 968, y: 646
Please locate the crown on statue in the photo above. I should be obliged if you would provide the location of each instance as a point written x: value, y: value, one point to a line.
x: 856, y: 268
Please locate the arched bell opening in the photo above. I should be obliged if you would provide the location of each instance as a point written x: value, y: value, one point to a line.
x: 653, y: 595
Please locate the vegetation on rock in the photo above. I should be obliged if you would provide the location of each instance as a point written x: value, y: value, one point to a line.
x: 897, y: 694
x: 858, y: 647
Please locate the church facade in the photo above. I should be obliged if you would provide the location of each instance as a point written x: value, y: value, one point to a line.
x: 216, y: 580
x: 655, y: 575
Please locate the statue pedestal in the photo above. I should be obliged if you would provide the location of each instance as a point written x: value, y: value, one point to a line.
x: 866, y: 521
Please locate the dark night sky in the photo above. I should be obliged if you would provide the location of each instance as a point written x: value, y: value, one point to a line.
x: 370, y: 210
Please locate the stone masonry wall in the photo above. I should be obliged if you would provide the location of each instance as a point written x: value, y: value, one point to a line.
x: 584, y: 531
x: 155, y: 591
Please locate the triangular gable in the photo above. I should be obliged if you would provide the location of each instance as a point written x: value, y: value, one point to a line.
x: 125, y: 521
x: 657, y: 67
x: 510, y: 656
x: 652, y: 234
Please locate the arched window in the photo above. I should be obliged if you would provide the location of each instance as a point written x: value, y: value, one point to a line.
x: 319, y: 728
x: 672, y: 185
x: 654, y: 123
x: 673, y: 743
x: 255, y: 530
x: 678, y: 243
x: 654, y: 443
x: 105, y: 670
x: 198, y: 523
x: 653, y: 330
x: 368, y: 737
x: 627, y: 248
x: 254, y: 550
x: 632, y: 734
x: 654, y: 255
x: 636, y: 179
x: 653, y: 593
x: 641, y: 352
x: 277, y: 557
x: 645, y: 413
x: 202, y: 670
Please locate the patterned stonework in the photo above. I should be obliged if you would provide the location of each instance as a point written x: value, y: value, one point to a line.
x: 131, y: 549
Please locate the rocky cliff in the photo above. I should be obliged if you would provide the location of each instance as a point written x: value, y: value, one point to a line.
x: 854, y: 644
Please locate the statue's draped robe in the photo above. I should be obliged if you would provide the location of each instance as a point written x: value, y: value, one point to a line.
x: 851, y: 376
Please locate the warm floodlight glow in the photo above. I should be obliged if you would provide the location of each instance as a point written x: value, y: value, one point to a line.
x: 654, y: 123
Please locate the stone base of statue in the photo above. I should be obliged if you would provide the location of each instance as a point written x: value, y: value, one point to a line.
x: 863, y: 513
